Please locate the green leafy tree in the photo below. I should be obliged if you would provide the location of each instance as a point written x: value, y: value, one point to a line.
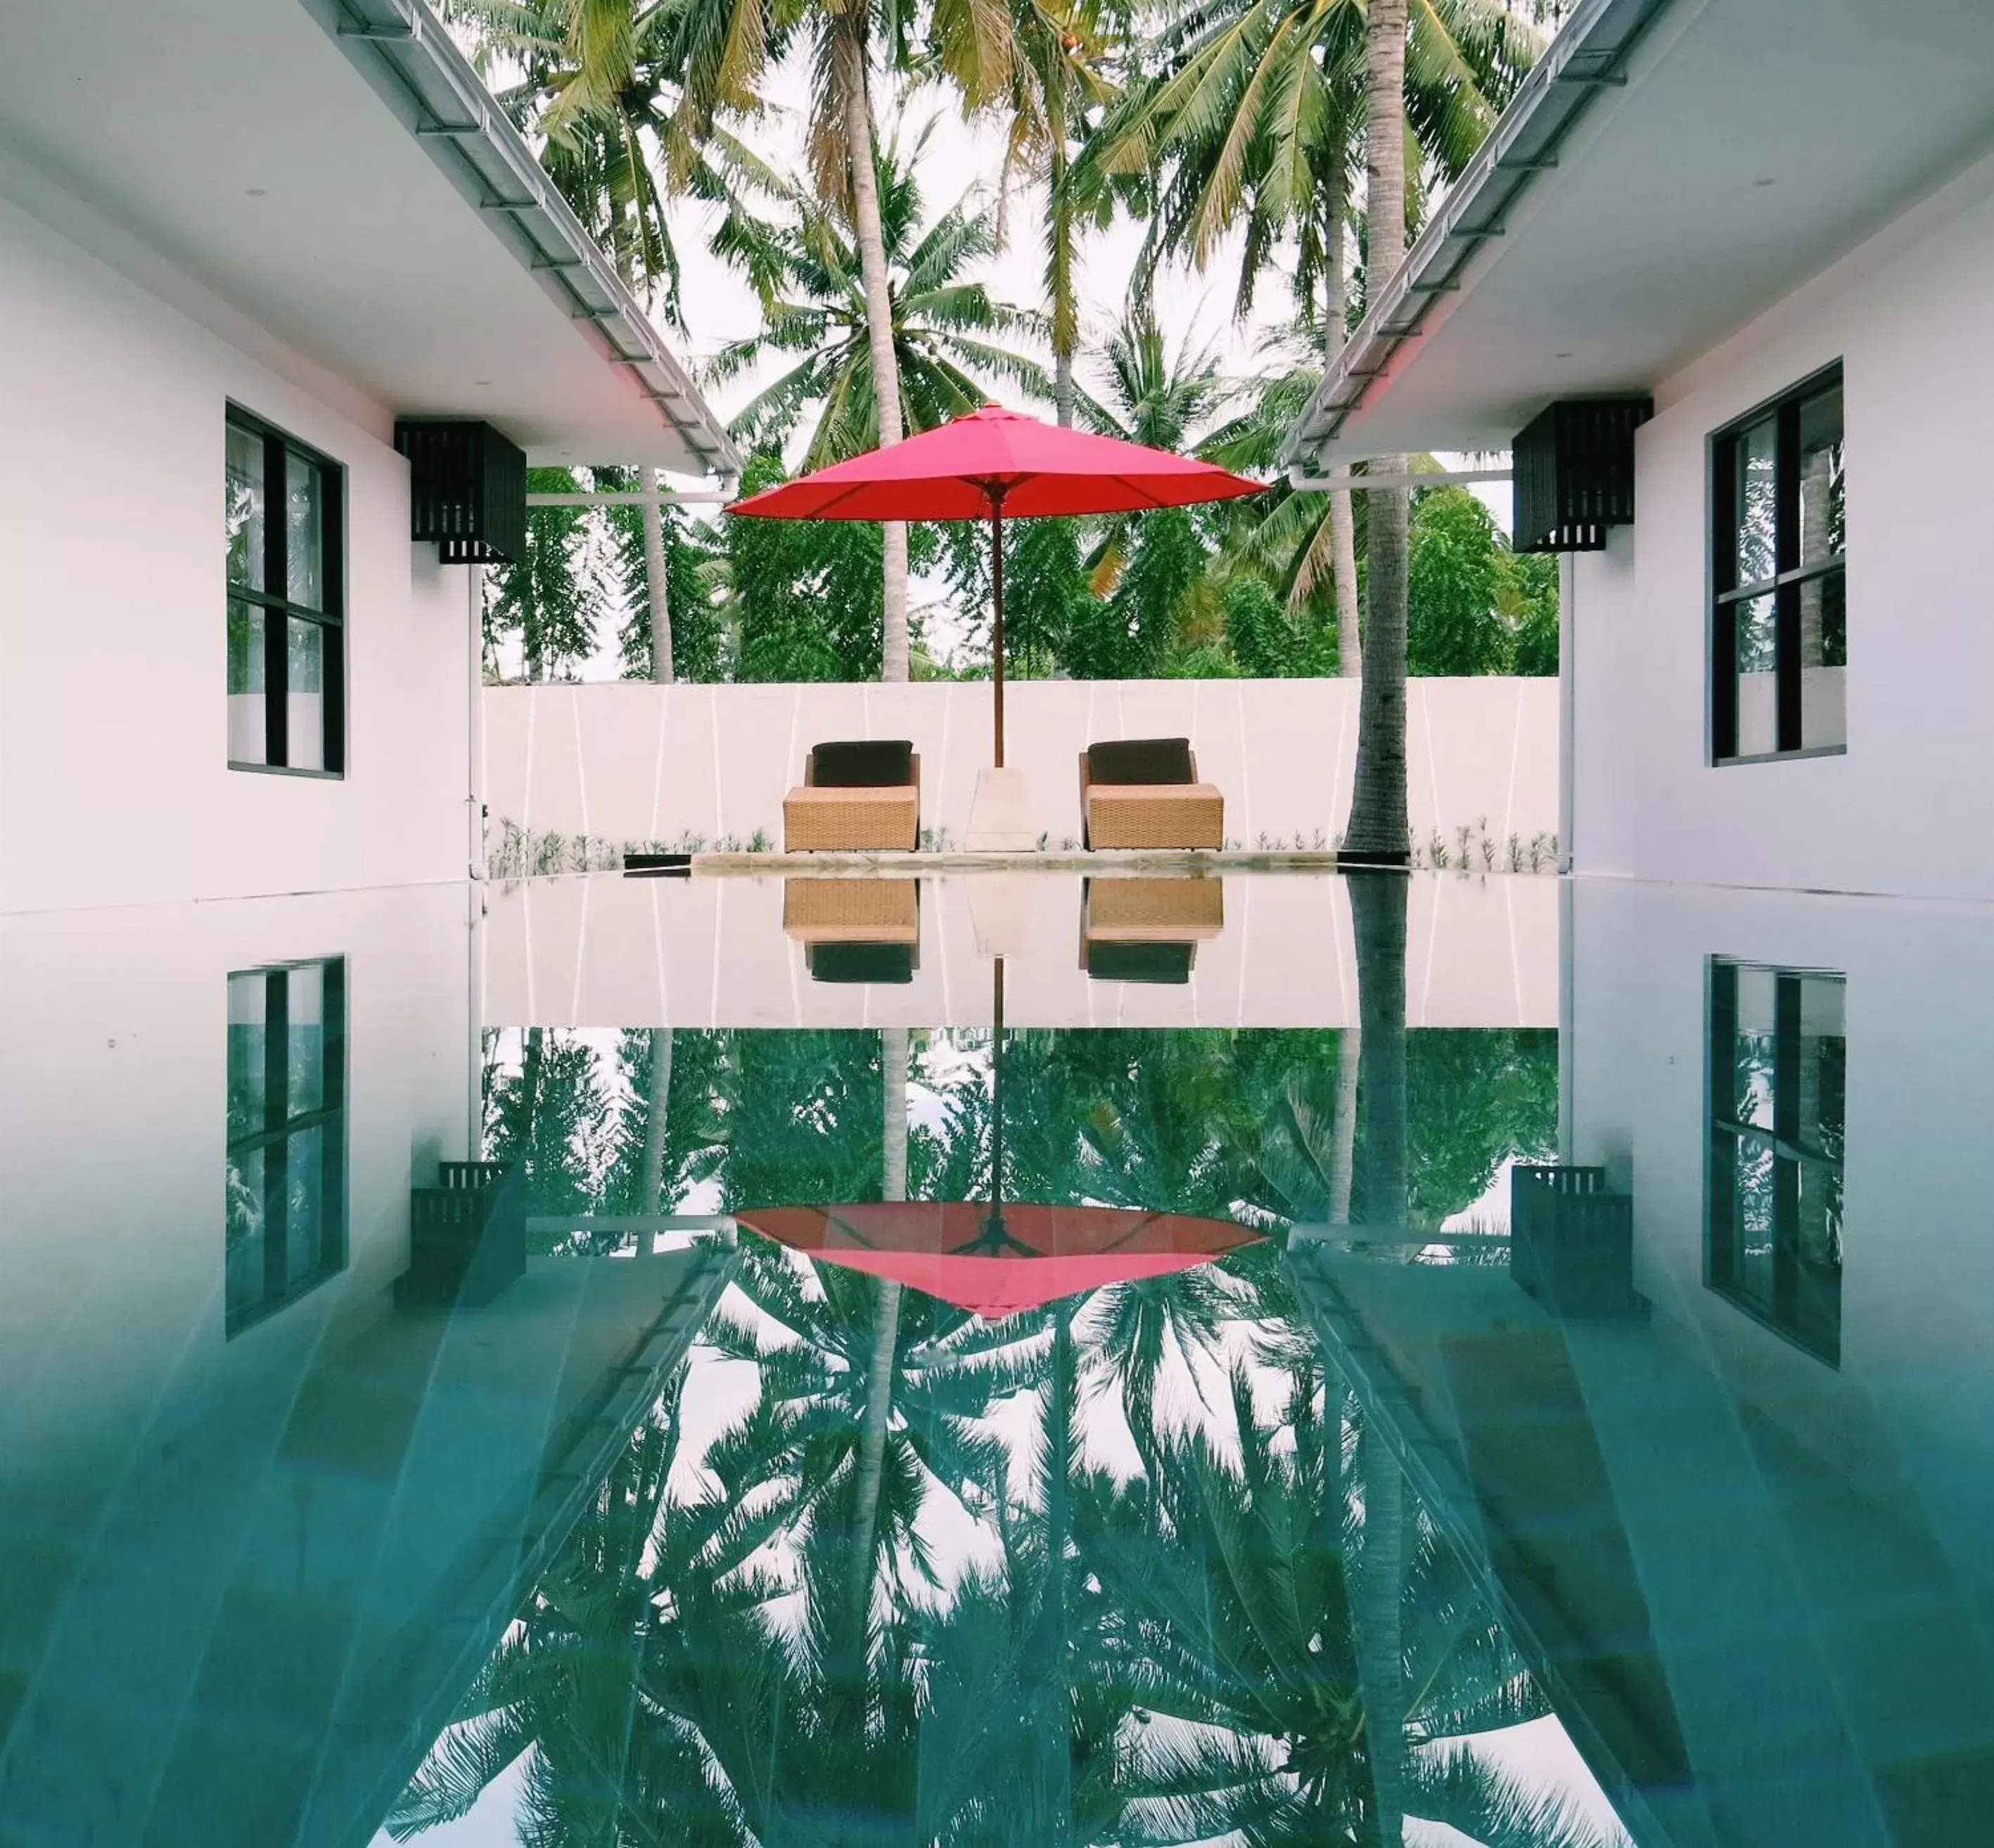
x: 692, y: 560
x: 1529, y: 603
x: 554, y: 598
x: 802, y: 595
x: 1455, y: 577
x: 600, y: 88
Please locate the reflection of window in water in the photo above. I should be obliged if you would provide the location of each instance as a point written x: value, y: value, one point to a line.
x: 286, y: 1204
x: 1778, y: 1104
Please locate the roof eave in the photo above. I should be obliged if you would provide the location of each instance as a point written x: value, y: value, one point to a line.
x: 410, y: 59
x: 1589, y: 55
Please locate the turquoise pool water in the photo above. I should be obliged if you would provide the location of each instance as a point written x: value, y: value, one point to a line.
x: 1532, y: 1386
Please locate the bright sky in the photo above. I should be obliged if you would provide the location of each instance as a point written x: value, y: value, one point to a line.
x: 961, y: 160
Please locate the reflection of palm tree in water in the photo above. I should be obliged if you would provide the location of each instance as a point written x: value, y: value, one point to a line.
x: 1378, y: 916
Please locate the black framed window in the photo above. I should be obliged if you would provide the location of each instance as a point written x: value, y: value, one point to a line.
x: 1780, y: 620
x: 286, y: 517
x: 1779, y: 1083
x: 286, y: 1198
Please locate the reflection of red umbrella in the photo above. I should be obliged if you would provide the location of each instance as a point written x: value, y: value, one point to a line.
x: 989, y: 462
x: 995, y: 1263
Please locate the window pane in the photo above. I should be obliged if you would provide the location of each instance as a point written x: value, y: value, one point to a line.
x: 1758, y: 678
x: 1823, y: 663
x: 1823, y: 513
x: 304, y: 536
x: 248, y: 739
x: 247, y: 1028
x: 245, y: 499
x: 304, y: 999
x: 305, y: 707
x: 1758, y: 502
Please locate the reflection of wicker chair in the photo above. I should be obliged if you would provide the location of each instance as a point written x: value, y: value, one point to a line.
x: 1147, y: 930
x: 855, y: 929
x: 1144, y: 792
x: 858, y: 796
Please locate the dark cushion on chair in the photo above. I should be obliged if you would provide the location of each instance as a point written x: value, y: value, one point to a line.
x: 1169, y: 963
x: 865, y: 764
x: 860, y: 962
x: 1141, y: 760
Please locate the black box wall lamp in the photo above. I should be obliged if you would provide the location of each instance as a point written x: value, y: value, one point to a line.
x: 1574, y: 473
x: 466, y: 489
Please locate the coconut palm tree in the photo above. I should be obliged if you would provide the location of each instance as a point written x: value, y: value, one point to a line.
x: 1253, y: 118
x: 732, y: 42
x: 951, y: 339
x: 602, y: 87
x: 1378, y: 832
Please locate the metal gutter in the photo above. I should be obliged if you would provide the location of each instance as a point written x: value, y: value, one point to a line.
x: 1588, y: 55
x: 411, y: 62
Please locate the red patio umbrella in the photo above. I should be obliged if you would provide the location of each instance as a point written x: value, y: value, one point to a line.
x: 989, y: 463
x: 996, y: 1261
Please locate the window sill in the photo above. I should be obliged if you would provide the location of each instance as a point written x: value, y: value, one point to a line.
x: 284, y: 769
x: 1819, y: 750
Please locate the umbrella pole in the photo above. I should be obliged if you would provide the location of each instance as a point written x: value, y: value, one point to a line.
x: 997, y: 624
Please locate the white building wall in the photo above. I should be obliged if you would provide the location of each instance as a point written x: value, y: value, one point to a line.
x: 113, y: 783
x: 1910, y: 808
x: 628, y: 761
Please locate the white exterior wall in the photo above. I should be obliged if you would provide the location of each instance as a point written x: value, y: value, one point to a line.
x: 1910, y: 808
x: 628, y: 761
x: 113, y: 783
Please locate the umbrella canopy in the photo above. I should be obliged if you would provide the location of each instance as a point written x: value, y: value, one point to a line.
x: 986, y: 465
x: 995, y: 460
x: 997, y: 1263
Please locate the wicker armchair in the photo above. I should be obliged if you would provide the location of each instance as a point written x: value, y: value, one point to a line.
x: 860, y: 796
x: 1144, y: 792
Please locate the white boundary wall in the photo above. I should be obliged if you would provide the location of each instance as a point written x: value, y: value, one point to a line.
x: 628, y: 761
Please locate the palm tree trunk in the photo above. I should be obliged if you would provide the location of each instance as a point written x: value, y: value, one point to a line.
x: 857, y: 102
x: 656, y: 1121
x: 886, y: 1323
x: 1342, y: 517
x: 656, y: 580
x: 1378, y: 833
